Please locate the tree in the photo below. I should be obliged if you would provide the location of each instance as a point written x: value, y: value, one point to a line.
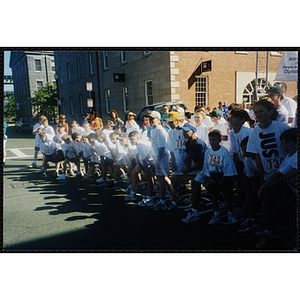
x: 10, y: 107
x: 45, y: 101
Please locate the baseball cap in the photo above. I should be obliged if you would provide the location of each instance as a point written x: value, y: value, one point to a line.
x: 275, y: 89
x: 131, y: 114
x: 154, y: 114
x: 180, y: 110
x: 173, y: 115
x: 216, y: 113
x: 188, y: 127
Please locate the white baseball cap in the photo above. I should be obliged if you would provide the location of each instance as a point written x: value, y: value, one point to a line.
x: 154, y: 114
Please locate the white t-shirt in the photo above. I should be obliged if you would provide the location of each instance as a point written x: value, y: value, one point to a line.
x: 290, y: 105
x: 78, y: 146
x: 79, y: 130
x: 144, y: 149
x: 102, y: 150
x: 266, y: 142
x: 202, y: 133
x: 176, y: 144
x: 37, y: 137
x: 70, y: 148
x: 134, y: 127
x: 48, y: 147
x: 218, y: 161
x: 207, y: 121
x: 289, y: 163
x: 159, y: 139
x: 235, y: 140
x: 283, y: 115
x: 224, y: 128
x: 50, y: 132
x: 250, y: 167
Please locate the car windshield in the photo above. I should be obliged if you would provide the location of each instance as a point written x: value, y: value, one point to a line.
x: 144, y: 111
x: 29, y: 120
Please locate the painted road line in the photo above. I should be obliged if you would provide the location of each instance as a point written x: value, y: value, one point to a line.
x: 18, y: 153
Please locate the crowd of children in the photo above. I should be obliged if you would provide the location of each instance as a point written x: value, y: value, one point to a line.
x: 244, y: 160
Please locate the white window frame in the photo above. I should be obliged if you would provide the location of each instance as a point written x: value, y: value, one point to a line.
x: 91, y: 63
x: 123, y: 57
x: 125, y: 87
x: 37, y: 84
x: 146, y: 93
x: 105, y: 60
x: 107, y: 99
x: 35, y: 65
x: 71, y: 106
x: 69, y: 72
x: 200, y: 93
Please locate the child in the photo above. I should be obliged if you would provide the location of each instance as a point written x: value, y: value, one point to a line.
x: 107, y: 131
x: 76, y: 128
x: 143, y: 163
x: 60, y: 129
x: 195, y: 149
x: 131, y: 125
x: 48, y: 148
x: 48, y: 129
x: 86, y: 152
x: 217, y: 175
x: 87, y: 128
x: 70, y: 156
x: 36, y: 131
x: 202, y: 130
x: 264, y: 141
x: 237, y: 118
x: 78, y: 146
x: 60, y: 153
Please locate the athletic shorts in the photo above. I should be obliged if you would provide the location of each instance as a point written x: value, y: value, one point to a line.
x: 51, y: 157
x: 60, y: 155
x: 164, y: 166
x: 94, y: 163
x: 108, y: 161
x: 151, y: 167
x: 37, y: 148
x: 204, y: 180
x: 71, y: 159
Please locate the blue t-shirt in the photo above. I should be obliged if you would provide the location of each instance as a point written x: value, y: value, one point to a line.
x: 4, y: 127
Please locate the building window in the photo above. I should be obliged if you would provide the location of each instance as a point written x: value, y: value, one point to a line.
x: 52, y: 66
x: 125, y: 98
x: 78, y: 68
x: 38, y: 65
x: 249, y: 90
x: 91, y: 63
x: 107, y: 97
x: 201, y: 91
x: 81, y: 104
x: 71, y: 106
x: 39, y: 85
x: 69, y: 72
x: 148, y: 92
x: 123, y: 57
x: 105, y: 60
x: 147, y: 53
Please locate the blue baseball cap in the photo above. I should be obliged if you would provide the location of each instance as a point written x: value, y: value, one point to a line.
x: 188, y: 127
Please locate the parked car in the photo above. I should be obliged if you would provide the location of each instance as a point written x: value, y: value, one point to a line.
x: 157, y: 107
x: 25, y: 124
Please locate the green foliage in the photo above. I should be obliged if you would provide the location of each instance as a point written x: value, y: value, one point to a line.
x: 45, y: 101
x: 10, y: 108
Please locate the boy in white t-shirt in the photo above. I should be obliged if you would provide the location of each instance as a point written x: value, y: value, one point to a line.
x: 217, y: 175
x: 202, y: 130
x: 76, y: 128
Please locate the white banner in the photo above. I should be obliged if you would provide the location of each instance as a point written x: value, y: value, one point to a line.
x: 288, y: 68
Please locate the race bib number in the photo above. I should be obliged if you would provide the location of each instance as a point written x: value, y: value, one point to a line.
x: 46, y: 150
x: 273, y: 164
x: 215, y: 160
x: 180, y: 144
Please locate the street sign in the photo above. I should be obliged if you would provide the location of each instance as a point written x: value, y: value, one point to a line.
x: 89, y: 102
x: 89, y: 86
x: 206, y: 66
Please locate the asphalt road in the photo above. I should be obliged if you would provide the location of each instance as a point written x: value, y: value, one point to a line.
x: 43, y: 214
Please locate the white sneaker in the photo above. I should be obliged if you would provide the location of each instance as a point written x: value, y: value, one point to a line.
x: 61, y: 177
x: 215, y: 220
x: 72, y: 172
x: 231, y: 218
x: 191, y: 217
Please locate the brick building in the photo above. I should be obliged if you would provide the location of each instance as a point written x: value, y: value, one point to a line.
x: 31, y: 70
x: 129, y: 80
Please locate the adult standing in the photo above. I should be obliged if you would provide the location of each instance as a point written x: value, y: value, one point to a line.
x: 62, y: 120
x: 96, y: 122
x: 116, y: 120
x: 276, y: 94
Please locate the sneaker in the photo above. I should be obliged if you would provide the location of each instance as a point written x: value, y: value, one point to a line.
x: 191, y: 217
x: 33, y: 165
x: 247, y: 225
x: 265, y: 242
x: 159, y: 206
x: 61, y: 177
x: 231, y: 218
x: 124, y: 176
x: 130, y: 197
x: 45, y: 174
x: 215, y: 220
x: 72, y: 172
x: 144, y: 201
x: 100, y: 180
x: 150, y: 202
x: 128, y: 189
x: 172, y: 209
x: 41, y: 170
x: 85, y: 178
x: 185, y: 202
